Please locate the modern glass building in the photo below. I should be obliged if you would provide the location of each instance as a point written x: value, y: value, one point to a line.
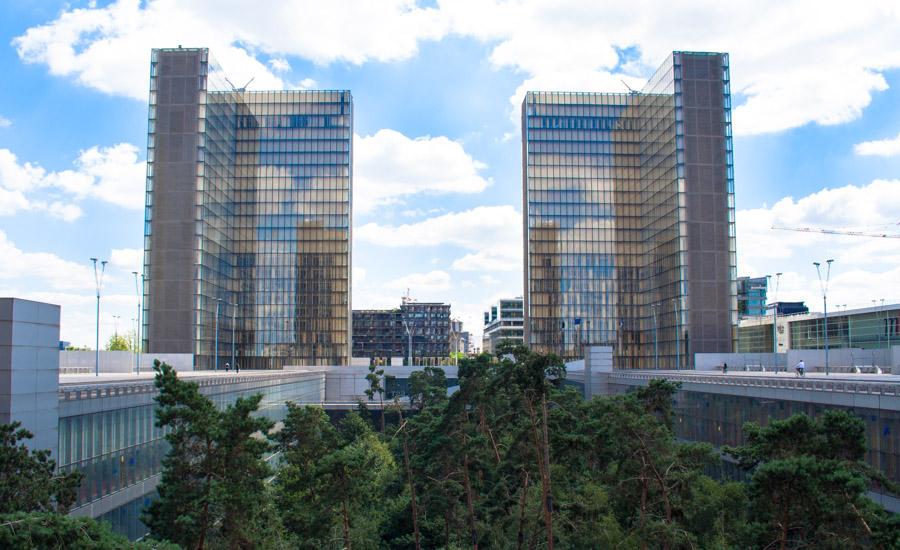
x: 248, y: 219
x: 752, y: 296
x: 869, y: 328
x: 628, y: 204
x: 381, y: 334
x: 503, y: 323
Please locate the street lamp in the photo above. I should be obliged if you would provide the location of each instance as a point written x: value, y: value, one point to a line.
x: 824, y: 286
x: 138, y: 343
x: 655, y: 340
x: 98, y: 283
x: 116, y: 325
x: 775, y: 316
x: 677, y: 336
x: 409, y: 348
x: 233, y: 311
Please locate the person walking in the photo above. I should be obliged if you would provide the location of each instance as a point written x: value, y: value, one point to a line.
x: 227, y: 367
x: 801, y: 368
x: 724, y: 368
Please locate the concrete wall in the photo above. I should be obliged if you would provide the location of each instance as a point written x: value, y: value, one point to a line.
x: 348, y: 384
x: 597, y: 366
x: 840, y: 357
x: 29, y: 376
x: 814, y: 359
x: 714, y: 361
x: 83, y: 362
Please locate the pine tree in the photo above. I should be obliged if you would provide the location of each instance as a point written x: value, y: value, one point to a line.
x: 212, y: 490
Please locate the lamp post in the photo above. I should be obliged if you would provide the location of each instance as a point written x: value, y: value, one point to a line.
x: 775, y: 316
x: 677, y: 336
x: 409, y: 348
x: 233, y: 313
x: 216, y: 351
x: 138, y: 343
x: 824, y: 286
x: 655, y: 340
x: 116, y: 326
x: 98, y: 283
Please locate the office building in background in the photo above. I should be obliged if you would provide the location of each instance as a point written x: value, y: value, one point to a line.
x: 751, y: 296
x: 628, y: 212
x: 248, y: 219
x: 383, y: 335
x: 503, y: 322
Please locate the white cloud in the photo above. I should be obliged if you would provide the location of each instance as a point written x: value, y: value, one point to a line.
x: 127, y: 259
x: 279, y: 64
x: 46, y: 277
x: 493, y: 234
x: 111, y: 174
x: 107, y: 47
x: 359, y: 274
x: 5, y: 122
x: 389, y: 166
x: 889, y: 147
x: 794, y: 61
x: 305, y: 84
x: 421, y: 284
x: 489, y: 279
x: 49, y: 270
x: 865, y: 268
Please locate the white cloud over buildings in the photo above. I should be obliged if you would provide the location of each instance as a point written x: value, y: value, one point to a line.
x: 803, y: 62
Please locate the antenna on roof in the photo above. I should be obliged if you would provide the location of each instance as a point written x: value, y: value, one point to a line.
x: 242, y: 88
x: 630, y: 89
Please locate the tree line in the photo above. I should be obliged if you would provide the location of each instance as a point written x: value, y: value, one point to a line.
x: 514, y: 458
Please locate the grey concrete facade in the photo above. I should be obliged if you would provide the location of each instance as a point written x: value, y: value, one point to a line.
x: 29, y: 355
x: 84, y: 362
x: 170, y: 255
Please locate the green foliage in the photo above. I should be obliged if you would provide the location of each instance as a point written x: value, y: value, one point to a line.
x: 809, y: 482
x: 28, y: 478
x: 58, y: 532
x: 120, y: 342
x: 213, y: 489
x: 332, y: 483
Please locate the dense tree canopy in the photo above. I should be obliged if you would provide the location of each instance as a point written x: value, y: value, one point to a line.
x: 28, y: 478
x: 513, y: 458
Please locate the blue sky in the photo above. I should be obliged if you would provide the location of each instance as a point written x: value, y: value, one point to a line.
x: 438, y: 155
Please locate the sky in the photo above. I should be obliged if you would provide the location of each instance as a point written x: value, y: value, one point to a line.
x: 437, y: 87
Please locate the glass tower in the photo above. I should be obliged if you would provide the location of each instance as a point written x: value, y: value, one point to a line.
x: 628, y: 204
x: 248, y: 219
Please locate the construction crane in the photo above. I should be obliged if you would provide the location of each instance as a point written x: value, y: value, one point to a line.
x: 836, y: 232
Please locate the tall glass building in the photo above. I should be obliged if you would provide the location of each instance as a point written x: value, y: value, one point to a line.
x: 628, y: 204
x: 248, y: 219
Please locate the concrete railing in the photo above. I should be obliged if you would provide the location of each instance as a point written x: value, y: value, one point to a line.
x: 71, y: 392
x: 844, y: 386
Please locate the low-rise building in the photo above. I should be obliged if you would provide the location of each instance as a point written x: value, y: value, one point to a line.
x: 751, y: 296
x: 864, y: 329
x: 503, y: 322
x: 383, y: 335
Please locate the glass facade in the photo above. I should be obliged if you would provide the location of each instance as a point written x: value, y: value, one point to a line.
x: 503, y: 322
x: 751, y: 293
x: 248, y: 219
x: 380, y: 334
x: 869, y: 330
x: 117, y: 448
x: 628, y: 206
